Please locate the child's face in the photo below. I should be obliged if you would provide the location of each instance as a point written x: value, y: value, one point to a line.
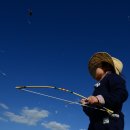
x: 99, y: 73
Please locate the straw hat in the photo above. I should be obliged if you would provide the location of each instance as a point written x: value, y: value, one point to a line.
x: 104, y: 57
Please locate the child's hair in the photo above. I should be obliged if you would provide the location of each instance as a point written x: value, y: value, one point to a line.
x: 107, y: 67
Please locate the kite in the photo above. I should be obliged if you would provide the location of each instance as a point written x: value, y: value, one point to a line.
x: 29, y: 15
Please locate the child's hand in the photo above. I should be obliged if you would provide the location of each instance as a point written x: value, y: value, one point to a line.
x: 84, y: 101
x: 93, y: 100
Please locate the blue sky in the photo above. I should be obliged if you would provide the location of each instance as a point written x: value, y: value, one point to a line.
x: 53, y: 47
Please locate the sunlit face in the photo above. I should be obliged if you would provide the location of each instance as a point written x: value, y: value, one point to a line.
x: 99, y: 73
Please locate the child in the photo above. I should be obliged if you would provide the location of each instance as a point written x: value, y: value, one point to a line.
x: 110, y: 92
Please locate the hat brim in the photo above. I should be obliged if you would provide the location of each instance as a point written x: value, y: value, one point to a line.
x: 96, y: 59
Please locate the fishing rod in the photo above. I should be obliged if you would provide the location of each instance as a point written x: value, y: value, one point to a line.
x: 62, y: 89
x: 61, y: 99
x: 110, y: 112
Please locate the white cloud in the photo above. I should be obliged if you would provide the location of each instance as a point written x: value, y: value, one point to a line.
x: 28, y: 116
x: 4, y: 106
x: 53, y: 125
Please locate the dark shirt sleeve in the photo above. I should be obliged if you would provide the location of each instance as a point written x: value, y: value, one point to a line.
x: 113, y: 89
x: 117, y: 94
